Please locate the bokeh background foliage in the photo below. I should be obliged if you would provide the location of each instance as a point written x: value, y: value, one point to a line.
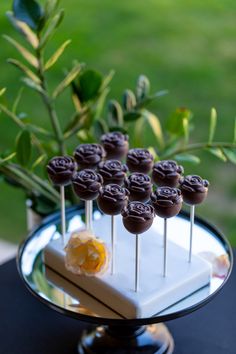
x: 185, y: 47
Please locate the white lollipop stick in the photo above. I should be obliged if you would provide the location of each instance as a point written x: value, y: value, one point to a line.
x: 63, y: 214
x: 87, y: 214
x: 165, y: 248
x: 91, y: 215
x: 113, y: 238
x: 192, y: 211
x: 137, y: 253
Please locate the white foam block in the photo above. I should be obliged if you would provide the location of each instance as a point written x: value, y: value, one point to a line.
x: 156, y: 292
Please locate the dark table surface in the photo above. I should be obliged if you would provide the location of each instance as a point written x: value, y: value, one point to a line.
x: 29, y: 327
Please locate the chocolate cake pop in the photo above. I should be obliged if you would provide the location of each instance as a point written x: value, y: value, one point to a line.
x: 138, y: 217
x: 89, y: 155
x: 194, y: 189
x: 86, y: 184
x: 115, y: 144
x: 113, y: 171
x: 167, y: 201
x: 139, y: 185
x: 61, y: 169
x: 112, y: 199
x: 167, y: 173
x: 139, y: 160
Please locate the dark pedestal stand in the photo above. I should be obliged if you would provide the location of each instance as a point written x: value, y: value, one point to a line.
x: 152, y: 339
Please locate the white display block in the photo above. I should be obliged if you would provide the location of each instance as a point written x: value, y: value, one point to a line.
x: 156, y: 292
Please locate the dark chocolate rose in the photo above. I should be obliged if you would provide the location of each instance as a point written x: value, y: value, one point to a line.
x: 116, y: 144
x: 194, y: 189
x: 89, y: 155
x: 167, y: 173
x: 139, y: 160
x: 61, y: 169
x: 112, y: 199
x: 167, y: 201
x: 139, y: 186
x: 113, y: 171
x: 138, y: 217
x: 86, y: 184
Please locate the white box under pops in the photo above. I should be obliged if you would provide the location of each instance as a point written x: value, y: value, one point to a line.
x: 156, y: 293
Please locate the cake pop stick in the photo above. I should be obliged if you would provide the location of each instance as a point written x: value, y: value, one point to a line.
x: 167, y: 202
x: 60, y: 171
x: 137, y: 218
x: 86, y: 184
x: 194, y: 190
x: 111, y: 200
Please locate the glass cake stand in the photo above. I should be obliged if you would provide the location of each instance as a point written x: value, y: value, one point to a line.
x: 115, y: 334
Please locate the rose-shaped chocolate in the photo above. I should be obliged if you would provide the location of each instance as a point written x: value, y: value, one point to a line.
x: 113, y: 171
x: 115, y: 144
x: 194, y: 189
x: 112, y: 199
x: 89, y: 155
x: 138, y: 217
x: 86, y: 184
x: 139, y: 160
x: 140, y: 187
x: 167, y: 173
x: 167, y: 201
x: 61, y: 169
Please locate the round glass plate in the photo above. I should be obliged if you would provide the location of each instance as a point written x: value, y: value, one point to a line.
x: 63, y: 296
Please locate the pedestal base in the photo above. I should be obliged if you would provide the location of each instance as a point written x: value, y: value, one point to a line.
x: 152, y: 339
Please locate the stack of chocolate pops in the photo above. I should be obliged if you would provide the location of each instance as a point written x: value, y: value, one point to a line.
x: 98, y: 173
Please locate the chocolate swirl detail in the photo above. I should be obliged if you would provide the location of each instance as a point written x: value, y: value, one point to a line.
x: 138, y: 217
x: 89, y: 155
x: 194, y: 189
x: 167, y: 173
x: 61, y: 169
x: 116, y: 144
x: 139, y: 160
x: 167, y: 201
x: 86, y: 184
x: 113, y: 171
x: 112, y: 199
x: 139, y: 186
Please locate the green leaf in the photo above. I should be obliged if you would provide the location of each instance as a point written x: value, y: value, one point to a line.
x: 7, y: 158
x: 234, y: 137
x: 230, y: 153
x: 17, y: 100
x: 217, y: 152
x: 146, y: 101
x: 30, y: 83
x: 142, y: 88
x: 2, y: 91
x: 99, y: 106
x: 24, y: 29
x: 213, y: 122
x: 107, y: 79
x: 39, y: 161
x: 118, y: 129
x: 170, y: 149
x: 23, y: 148
x: 155, y: 125
x: 28, y: 11
x: 115, y: 113
x: 56, y: 55
x: 90, y: 82
x: 175, y: 121
x: 186, y: 130
x: 187, y: 158
x: 128, y: 100
x: 25, y: 70
x: 131, y: 116
x: 67, y: 80
x: 50, y: 7
x: 99, y: 128
x: 23, y: 51
x: 85, y: 137
x: 54, y: 23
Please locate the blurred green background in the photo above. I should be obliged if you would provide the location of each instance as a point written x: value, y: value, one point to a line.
x: 187, y: 47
